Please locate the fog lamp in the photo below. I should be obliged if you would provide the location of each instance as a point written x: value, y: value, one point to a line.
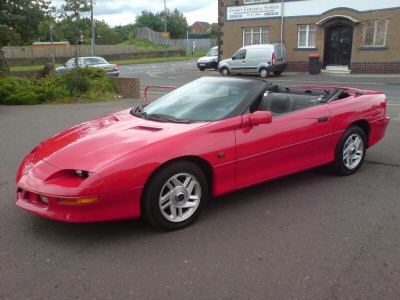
x: 44, y: 199
x: 82, y: 174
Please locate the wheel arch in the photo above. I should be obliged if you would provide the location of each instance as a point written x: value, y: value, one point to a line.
x: 203, y: 164
x: 365, y: 126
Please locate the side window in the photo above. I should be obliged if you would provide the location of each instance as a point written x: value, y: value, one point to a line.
x: 241, y: 54
x: 80, y: 63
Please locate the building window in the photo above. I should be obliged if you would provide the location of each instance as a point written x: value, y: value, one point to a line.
x: 255, y: 36
x: 375, y: 33
x: 307, y: 36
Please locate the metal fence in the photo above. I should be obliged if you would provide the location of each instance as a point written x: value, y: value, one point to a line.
x: 145, y: 33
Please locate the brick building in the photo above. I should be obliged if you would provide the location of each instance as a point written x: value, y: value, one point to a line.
x: 200, y: 27
x: 360, y: 35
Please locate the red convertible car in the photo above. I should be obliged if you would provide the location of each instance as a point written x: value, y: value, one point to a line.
x: 212, y: 136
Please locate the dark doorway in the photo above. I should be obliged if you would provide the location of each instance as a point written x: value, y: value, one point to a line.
x: 338, y: 44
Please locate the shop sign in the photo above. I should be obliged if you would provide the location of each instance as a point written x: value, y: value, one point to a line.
x: 258, y: 11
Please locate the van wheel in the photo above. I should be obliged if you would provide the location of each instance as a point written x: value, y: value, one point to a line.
x: 225, y: 71
x: 264, y: 73
x: 277, y: 73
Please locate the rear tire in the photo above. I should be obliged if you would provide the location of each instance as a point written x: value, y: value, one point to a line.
x: 225, y: 71
x: 174, y: 197
x: 264, y: 73
x: 277, y: 73
x: 350, y: 151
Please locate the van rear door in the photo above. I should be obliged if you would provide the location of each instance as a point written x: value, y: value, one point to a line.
x: 280, y: 54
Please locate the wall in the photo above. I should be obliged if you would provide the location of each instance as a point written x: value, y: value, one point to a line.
x: 128, y: 88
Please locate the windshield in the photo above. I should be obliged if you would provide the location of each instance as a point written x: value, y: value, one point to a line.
x: 212, y: 52
x: 201, y: 100
x: 95, y: 61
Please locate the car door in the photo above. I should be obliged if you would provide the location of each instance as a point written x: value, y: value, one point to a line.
x: 292, y: 142
x: 238, y: 64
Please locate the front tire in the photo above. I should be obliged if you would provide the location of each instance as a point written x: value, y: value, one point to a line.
x: 350, y: 151
x: 225, y: 71
x: 174, y: 197
x: 202, y: 69
x: 264, y: 73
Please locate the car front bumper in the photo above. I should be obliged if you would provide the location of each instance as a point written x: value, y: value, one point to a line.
x: 113, y: 73
x: 207, y: 64
x: 111, y: 206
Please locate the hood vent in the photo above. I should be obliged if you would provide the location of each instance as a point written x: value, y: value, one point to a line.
x: 147, y: 128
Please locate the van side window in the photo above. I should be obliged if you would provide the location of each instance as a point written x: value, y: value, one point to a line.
x: 241, y: 54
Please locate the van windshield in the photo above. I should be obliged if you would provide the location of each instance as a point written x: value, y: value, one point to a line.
x: 212, y: 52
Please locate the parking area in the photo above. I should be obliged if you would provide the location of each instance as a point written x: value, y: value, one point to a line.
x: 311, y: 235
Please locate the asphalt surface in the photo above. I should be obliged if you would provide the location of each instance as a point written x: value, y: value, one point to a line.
x: 311, y: 235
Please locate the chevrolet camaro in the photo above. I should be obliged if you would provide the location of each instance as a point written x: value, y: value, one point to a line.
x: 215, y: 135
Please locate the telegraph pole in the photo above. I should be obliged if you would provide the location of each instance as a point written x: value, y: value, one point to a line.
x: 53, y: 55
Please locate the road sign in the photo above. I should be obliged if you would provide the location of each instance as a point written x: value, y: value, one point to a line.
x: 165, y: 35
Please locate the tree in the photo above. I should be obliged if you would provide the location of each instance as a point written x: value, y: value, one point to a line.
x: 105, y: 34
x: 72, y: 10
x: 151, y: 20
x: 214, y: 31
x: 176, y: 22
x: 23, y: 18
x: 126, y: 33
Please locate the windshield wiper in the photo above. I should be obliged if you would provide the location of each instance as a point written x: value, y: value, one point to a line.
x: 162, y: 117
x: 138, y: 112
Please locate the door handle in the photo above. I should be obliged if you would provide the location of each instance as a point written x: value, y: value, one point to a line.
x: 323, y: 119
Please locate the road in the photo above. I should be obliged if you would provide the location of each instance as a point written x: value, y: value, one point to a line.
x: 307, y: 236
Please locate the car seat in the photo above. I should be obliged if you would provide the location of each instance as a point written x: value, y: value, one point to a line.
x: 278, y: 104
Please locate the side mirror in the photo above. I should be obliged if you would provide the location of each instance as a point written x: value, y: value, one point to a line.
x: 260, y: 117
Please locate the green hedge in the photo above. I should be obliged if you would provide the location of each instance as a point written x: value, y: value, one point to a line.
x: 88, y: 83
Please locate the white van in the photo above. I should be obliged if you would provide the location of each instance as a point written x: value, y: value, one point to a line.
x: 210, y: 61
x: 256, y: 59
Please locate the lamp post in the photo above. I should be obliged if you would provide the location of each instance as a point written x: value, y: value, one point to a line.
x: 165, y: 15
x: 92, y: 20
x: 165, y: 27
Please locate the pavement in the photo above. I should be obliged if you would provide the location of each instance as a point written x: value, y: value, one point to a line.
x: 311, y: 235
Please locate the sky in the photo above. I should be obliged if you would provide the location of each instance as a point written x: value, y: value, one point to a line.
x: 122, y: 12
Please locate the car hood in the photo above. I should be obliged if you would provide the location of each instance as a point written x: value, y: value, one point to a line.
x: 208, y: 58
x: 225, y: 61
x: 94, y: 144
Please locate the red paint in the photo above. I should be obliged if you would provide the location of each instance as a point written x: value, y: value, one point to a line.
x: 122, y: 152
